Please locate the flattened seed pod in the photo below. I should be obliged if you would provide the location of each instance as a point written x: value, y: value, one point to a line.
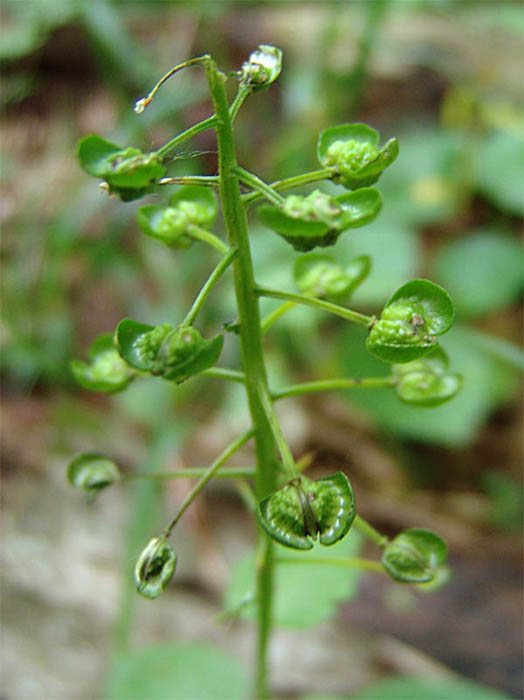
x: 303, y: 510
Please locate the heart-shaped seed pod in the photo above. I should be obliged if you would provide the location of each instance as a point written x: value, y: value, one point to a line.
x: 92, y: 472
x: 175, y: 354
x: 410, y: 322
x: 304, y: 510
x: 352, y: 151
x: 321, y: 275
x: 155, y: 568
x: 106, y: 371
x: 127, y: 171
x: 319, y: 219
x: 426, y: 382
x: 415, y: 556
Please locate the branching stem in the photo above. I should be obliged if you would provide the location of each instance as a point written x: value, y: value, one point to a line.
x: 335, y: 309
x: 331, y: 384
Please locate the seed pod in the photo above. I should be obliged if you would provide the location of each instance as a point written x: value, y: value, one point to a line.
x: 353, y: 152
x: 127, y: 171
x: 106, y: 370
x: 415, y: 556
x: 425, y: 382
x: 192, y: 206
x: 155, y: 568
x: 303, y: 510
x: 262, y: 68
x: 321, y: 276
x: 319, y: 219
x: 92, y: 472
x: 416, y: 313
x: 172, y: 353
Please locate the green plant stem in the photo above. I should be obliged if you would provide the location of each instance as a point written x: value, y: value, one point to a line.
x: 204, y: 125
x: 330, y: 384
x: 351, y: 562
x: 259, y: 185
x: 335, y: 309
x: 273, y: 317
x: 204, y: 180
x: 222, y: 373
x: 370, y: 532
x: 208, y: 286
x: 244, y: 91
x: 208, y: 474
x: 201, y: 234
x: 290, y: 182
x: 185, y: 135
x: 252, y: 357
x: 193, y: 472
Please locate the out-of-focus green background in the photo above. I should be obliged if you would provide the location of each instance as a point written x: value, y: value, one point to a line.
x: 445, y: 77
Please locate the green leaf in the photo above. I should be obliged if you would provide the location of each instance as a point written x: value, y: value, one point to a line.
x: 500, y: 170
x: 92, y: 472
x: 412, y: 318
x: 420, y: 689
x: 353, y: 153
x: 483, y: 271
x: 414, y: 556
x: 306, y: 594
x: 107, y: 371
x: 138, y: 343
x: 425, y: 382
x: 178, y: 672
x: 155, y: 568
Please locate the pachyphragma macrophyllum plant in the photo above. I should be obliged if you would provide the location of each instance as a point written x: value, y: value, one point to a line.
x: 292, y: 509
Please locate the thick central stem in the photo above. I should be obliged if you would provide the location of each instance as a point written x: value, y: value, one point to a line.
x: 252, y: 355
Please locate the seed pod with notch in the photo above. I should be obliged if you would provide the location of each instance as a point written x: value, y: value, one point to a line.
x: 426, y: 381
x: 262, y: 68
x: 353, y: 152
x: 408, y: 327
x: 106, y: 370
x: 155, y: 568
x: 92, y: 472
x: 175, y: 354
x: 193, y: 206
x: 127, y: 171
x: 318, y: 219
x: 415, y: 556
x: 304, y: 510
x: 322, y: 276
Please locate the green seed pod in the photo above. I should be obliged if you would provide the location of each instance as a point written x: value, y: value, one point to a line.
x: 415, y: 556
x: 416, y: 313
x: 175, y: 354
x: 191, y: 206
x: 425, y: 382
x: 262, y: 68
x: 106, y: 371
x: 303, y: 510
x: 319, y: 219
x: 92, y: 472
x: 321, y: 276
x: 155, y: 568
x: 128, y: 172
x: 353, y: 152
